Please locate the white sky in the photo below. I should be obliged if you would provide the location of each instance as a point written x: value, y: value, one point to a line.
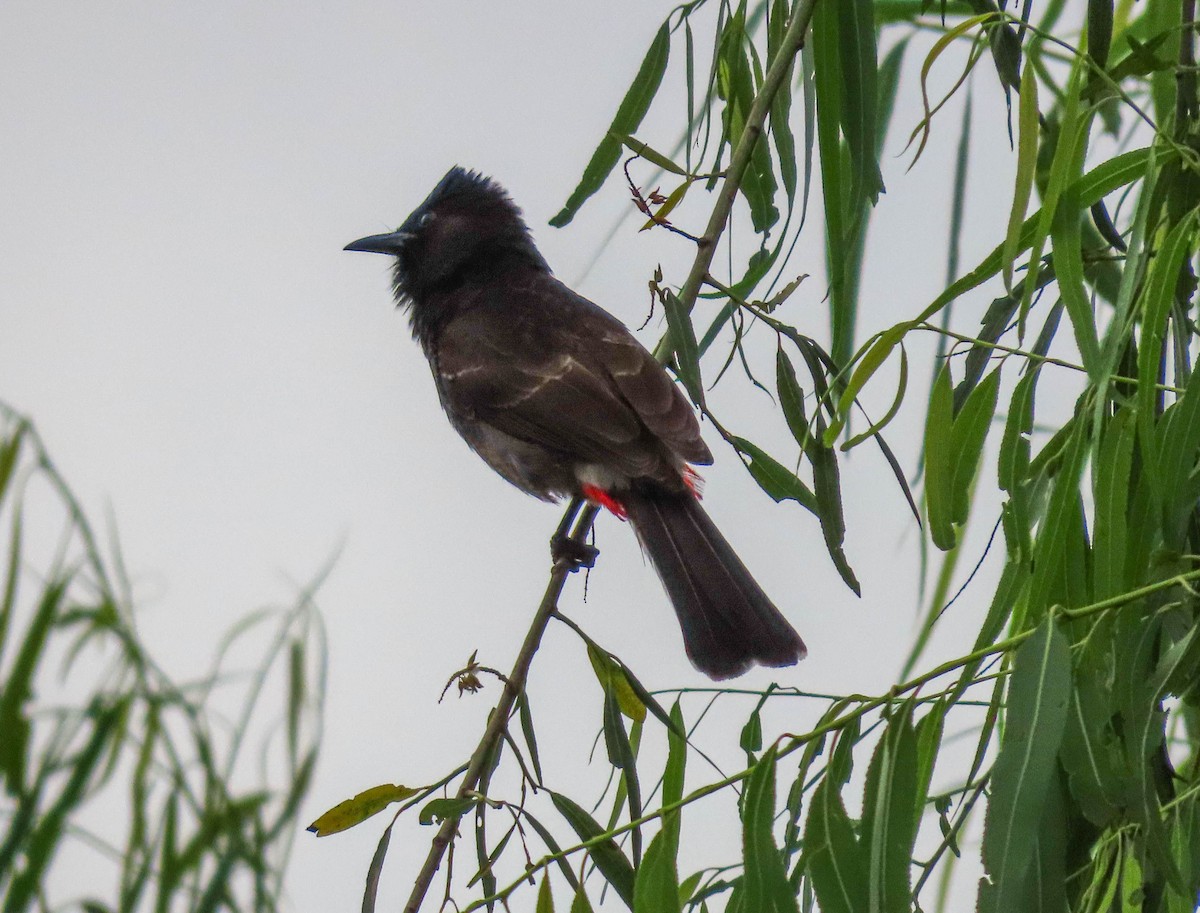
x: 202, y: 358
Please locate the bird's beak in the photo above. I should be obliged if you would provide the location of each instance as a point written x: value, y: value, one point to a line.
x: 391, y: 243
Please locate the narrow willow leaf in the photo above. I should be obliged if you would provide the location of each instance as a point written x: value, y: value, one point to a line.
x: 1099, y: 30
x: 1012, y: 466
x: 967, y: 438
x: 647, y: 701
x: 780, y: 483
x: 1067, y: 243
x: 608, y: 857
x: 893, y: 409
x: 358, y: 809
x: 649, y: 153
x: 791, y: 397
x: 676, y: 764
x: 939, y: 479
x: 526, y: 718
x: 929, y: 743
x: 889, y: 823
x: 18, y: 688
x: 1049, y: 551
x: 626, y: 122
x: 10, y: 451
x: 876, y: 352
x: 545, y: 900
x: 765, y: 881
x: 656, y: 887
x: 1091, y: 754
x: 616, y: 739
x: 1179, y: 439
x: 835, y: 181
x: 751, y: 737
x: 1112, y: 473
x: 581, y: 904
x: 781, y: 104
x: 859, y: 109
x: 552, y: 846
x: 375, y: 872
x: 836, y: 863
x: 683, y: 344
x: 1038, y: 697
x: 615, y: 678
x: 674, y: 198
x: 1027, y: 149
x: 827, y: 486
x: 1062, y: 178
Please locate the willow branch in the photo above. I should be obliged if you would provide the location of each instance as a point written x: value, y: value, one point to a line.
x: 498, y: 723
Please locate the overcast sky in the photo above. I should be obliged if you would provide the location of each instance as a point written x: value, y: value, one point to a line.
x: 203, y: 359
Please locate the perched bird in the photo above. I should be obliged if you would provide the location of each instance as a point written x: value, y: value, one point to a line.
x: 558, y: 397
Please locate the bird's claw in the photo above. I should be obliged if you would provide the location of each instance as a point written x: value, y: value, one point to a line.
x: 575, y: 553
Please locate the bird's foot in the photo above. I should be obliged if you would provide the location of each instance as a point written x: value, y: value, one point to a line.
x: 575, y: 553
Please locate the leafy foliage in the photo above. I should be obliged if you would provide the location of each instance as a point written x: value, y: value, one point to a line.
x: 1080, y: 686
x: 195, y: 831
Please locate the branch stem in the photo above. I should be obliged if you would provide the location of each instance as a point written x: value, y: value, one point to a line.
x: 497, y: 724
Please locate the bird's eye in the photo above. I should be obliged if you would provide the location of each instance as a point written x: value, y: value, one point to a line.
x: 425, y: 220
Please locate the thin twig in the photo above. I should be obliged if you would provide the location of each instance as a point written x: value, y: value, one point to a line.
x: 498, y: 722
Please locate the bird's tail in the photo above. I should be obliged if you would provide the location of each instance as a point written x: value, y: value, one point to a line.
x: 728, y: 622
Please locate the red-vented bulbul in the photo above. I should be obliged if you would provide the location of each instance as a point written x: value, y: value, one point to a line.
x: 560, y: 399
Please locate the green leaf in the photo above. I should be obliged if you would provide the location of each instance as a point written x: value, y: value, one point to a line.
x: 18, y: 689
x: 626, y: 122
x: 1178, y: 443
x: 929, y: 743
x: 765, y: 881
x: 581, y: 904
x: 347, y: 814
x: 1050, y: 555
x: 650, y: 154
x: 837, y: 865
x: 1112, y: 473
x: 683, y: 344
x: 939, y: 478
x: 1027, y: 147
x: 1038, y: 696
x: 779, y: 483
x: 656, y: 888
x: 449, y: 807
x: 375, y: 871
x: 791, y: 397
x: 889, y: 823
x: 607, y: 856
x: 781, y: 104
x: 967, y: 437
x: 1012, y: 465
x: 545, y: 900
x: 614, y: 678
x: 827, y: 486
x: 859, y: 109
x: 526, y: 718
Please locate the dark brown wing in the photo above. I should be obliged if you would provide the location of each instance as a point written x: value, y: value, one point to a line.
x: 564, y: 374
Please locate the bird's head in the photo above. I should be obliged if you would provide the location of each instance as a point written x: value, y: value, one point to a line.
x: 466, y: 226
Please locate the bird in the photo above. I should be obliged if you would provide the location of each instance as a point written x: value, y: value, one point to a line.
x: 561, y: 400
